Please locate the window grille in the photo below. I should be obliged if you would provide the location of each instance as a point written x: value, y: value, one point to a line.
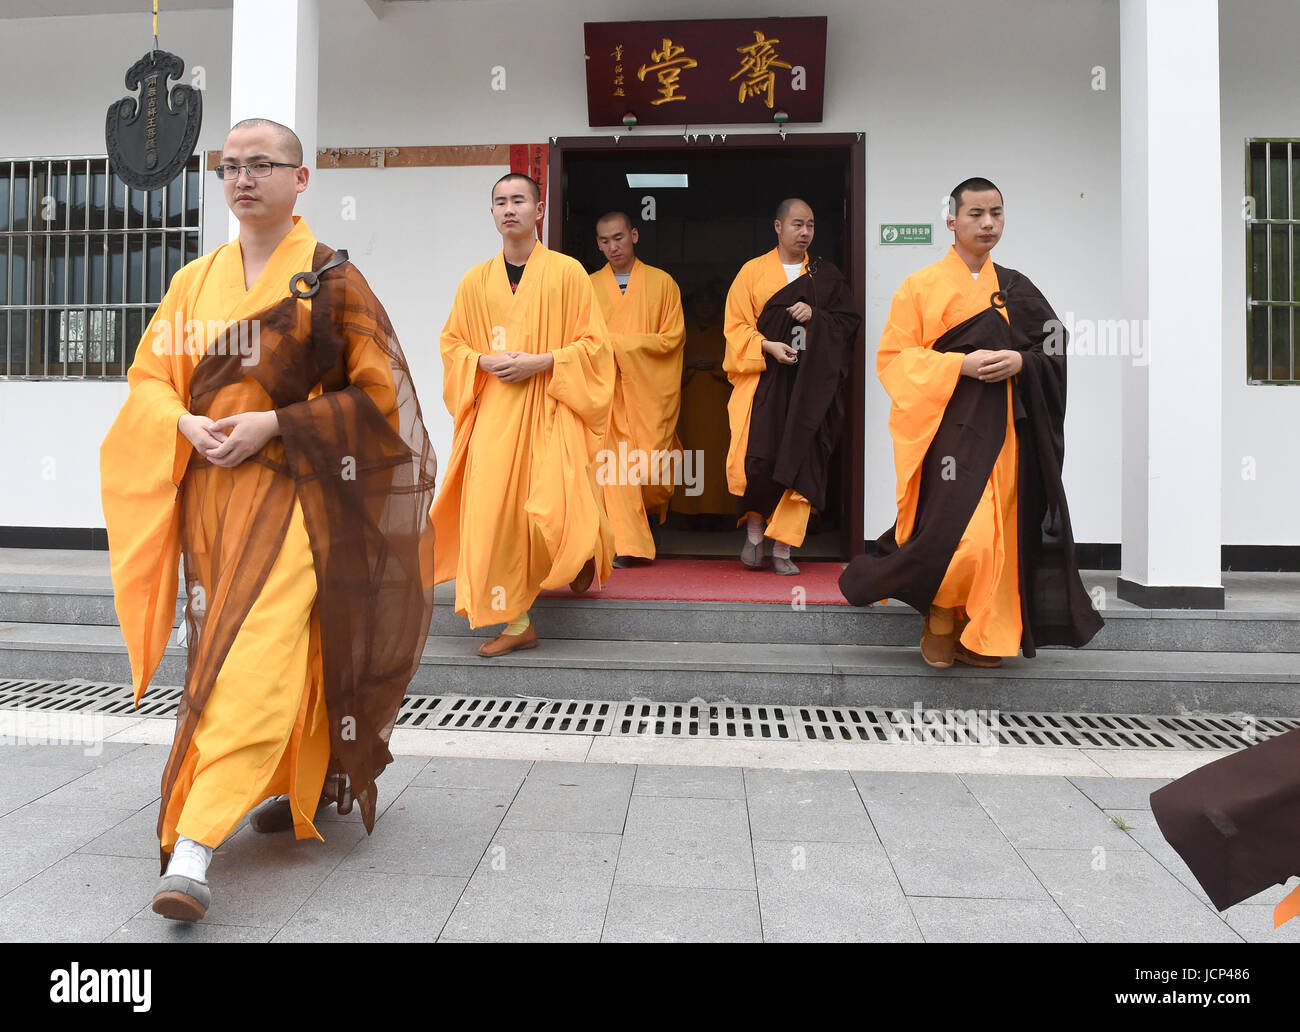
x: 1273, y: 273
x: 84, y: 261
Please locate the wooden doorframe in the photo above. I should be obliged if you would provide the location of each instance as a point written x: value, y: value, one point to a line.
x: 854, y: 146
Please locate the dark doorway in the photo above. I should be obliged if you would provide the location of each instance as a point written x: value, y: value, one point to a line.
x: 701, y: 234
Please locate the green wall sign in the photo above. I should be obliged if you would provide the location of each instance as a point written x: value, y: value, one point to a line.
x: 905, y: 232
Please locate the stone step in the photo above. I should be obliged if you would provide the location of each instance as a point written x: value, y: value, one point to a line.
x: 594, y: 619
x: 1092, y: 680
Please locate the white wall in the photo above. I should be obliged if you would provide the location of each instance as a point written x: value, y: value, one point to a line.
x: 1002, y: 88
x: 1260, y: 98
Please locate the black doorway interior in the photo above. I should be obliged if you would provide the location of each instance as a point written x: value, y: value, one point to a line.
x: 701, y: 234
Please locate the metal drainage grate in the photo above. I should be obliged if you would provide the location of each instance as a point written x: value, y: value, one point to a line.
x: 705, y: 720
x: 723, y: 721
x: 565, y: 717
x: 844, y: 724
x: 87, y: 697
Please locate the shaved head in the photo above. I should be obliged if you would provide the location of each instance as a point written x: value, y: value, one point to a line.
x: 612, y: 216
x: 975, y: 184
x: 535, y: 189
x: 783, y: 209
x: 285, y: 137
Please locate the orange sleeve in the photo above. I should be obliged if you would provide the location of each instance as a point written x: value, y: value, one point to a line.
x: 462, y: 379
x: 583, y: 376
x: 919, y: 381
x: 740, y: 326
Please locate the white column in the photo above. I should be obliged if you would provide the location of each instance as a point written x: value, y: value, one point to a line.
x: 1172, y: 260
x: 274, y: 54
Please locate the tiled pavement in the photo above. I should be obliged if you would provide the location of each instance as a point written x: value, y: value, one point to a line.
x: 507, y: 849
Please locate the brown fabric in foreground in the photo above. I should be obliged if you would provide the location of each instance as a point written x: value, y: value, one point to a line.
x: 1236, y: 821
x: 359, y: 461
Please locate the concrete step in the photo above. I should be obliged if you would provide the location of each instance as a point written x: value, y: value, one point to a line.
x: 595, y: 619
x: 1092, y: 680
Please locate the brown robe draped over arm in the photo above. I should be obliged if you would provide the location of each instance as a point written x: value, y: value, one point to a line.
x: 798, y: 409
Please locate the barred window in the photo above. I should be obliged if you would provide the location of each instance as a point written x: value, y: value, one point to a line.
x: 1273, y: 280
x: 84, y: 261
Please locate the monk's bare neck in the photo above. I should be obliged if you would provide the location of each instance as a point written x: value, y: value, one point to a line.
x: 789, y: 257
x: 974, y: 262
x: 625, y: 269
x: 257, y: 244
x: 517, y: 251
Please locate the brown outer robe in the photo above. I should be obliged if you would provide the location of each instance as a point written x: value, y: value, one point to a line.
x: 1236, y: 822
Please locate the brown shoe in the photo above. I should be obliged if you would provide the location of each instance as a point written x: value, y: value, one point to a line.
x: 504, y: 643
x: 939, y: 639
x: 582, y: 582
x: 965, y: 655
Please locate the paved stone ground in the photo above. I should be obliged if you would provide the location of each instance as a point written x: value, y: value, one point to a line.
x: 507, y: 849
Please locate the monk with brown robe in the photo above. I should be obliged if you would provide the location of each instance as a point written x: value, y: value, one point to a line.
x: 785, y: 418
x: 273, y: 440
x: 528, y: 377
x: 642, y: 307
x: 973, y: 358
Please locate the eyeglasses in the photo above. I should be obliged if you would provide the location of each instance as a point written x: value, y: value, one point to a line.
x: 257, y: 170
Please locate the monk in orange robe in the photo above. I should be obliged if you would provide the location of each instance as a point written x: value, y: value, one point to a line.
x: 528, y: 376
x: 642, y: 457
x: 973, y: 359
x: 705, y: 391
x: 272, y: 438
x: 746, y: 358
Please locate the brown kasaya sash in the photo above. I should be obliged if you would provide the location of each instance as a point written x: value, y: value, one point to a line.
x: 1055, y: 608
x: 358, y: 460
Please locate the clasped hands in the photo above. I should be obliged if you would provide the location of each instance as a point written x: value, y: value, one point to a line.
x: 800, y: 312
x: 992, y: 366
x: 232, y: 439
x: 515, y: 366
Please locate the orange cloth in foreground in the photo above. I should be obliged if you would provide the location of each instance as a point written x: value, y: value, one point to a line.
x: 647, y: 331
x: 982, y: 578
x: 264, y: 730
x: 520, y: 509
x: 758, y: 279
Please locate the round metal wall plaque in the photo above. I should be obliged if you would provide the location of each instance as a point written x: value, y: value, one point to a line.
x: 150, y: 137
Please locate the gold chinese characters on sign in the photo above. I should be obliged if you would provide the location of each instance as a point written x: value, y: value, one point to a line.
x: 617, y: 55
x: 760, y: 57
x: 705, y: 71
x: 670, y: 61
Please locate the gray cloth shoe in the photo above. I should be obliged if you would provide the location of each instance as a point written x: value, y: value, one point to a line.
x: 181, y: 898
x: 783, y: 566
x: 752, y: 555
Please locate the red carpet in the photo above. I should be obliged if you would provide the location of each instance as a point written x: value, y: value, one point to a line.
x: 716, y: 580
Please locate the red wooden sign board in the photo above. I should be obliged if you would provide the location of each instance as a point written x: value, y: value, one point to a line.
x: 711, y: 71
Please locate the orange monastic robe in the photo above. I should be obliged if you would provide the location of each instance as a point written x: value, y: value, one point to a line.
x: 263, y: 731
x: 520, y: 509
x: 982, y: 578
x: 647, y: 330
x: 758, y: 279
